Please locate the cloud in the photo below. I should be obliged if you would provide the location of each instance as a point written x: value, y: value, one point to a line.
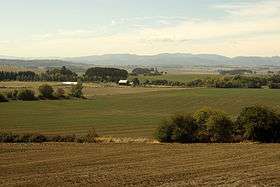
x: 252, y: 8
x: 249, y: 28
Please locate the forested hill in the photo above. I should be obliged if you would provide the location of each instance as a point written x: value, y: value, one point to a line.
x: 39, y: 63
x: 176, y: 59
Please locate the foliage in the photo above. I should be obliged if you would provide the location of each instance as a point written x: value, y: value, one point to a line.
x: 62, y: 74
x: 3, y: 98
x: 18, y: 76
x: 77, y: 90
x: 26, y: 95
x: 105, y: 74
x: 136, y: 82
x: 273, y: 85
x: 12, y: 94
x: 236, y: 81
x: 185, y: 129
x: 90, y: 137
x: 236, y: 72
x: 9, y: 137
x: 219, y: 127
x: 181, y: 128
x: 59, y: 93
x: 141, y: 71
x: 22, y: 138
x: 204, y: 126
x: 163, y: 82
x: 202, y: 115
x: 46, y: 91
x: 259, y: 123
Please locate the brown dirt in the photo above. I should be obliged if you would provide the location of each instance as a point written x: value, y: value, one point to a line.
x: 139, y: 164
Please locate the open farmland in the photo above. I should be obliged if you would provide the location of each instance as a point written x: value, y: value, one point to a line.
x: 176, y: 77
x: 139, y: 164
x: 127, y: 114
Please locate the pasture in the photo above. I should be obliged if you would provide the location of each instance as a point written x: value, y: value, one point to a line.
x: 63, y: 164
x: 125, y: 112
x: 175, y: 77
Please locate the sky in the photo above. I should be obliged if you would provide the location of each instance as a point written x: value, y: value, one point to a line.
x: 68, y: 28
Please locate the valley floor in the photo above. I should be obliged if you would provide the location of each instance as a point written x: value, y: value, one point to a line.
x: 62, y: 164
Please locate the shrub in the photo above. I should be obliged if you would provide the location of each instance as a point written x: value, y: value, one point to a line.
x: 77, y: 90
x: 12, y: 94
x: 59, y: 93
x: 3, y: 98
x: 259, y: 123
x: 181, y: 128
x: 26, y: 95
x: 136, y: 82
x: 38, y: 138
x: 91, y: 136
x: 185, y: 128
x: 68, y: 138
x: 164, y: 132
x: 46, y: 91
x: 7, y: 137
x: 219, y: 127
x: 203, y: 114
x: 23, y: 138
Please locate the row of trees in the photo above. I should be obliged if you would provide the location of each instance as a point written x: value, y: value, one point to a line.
x: 255, y: 123
x: 19, y: 76
x: 163, y: 82
x: 230, y: 82
x: 97, y: 74
x: 62, y: 74
x: 45, y: 92
x: 236, y: 72
x: 237, y: 81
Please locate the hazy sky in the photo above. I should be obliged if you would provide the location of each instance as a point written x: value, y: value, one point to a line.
x: 86, y: 27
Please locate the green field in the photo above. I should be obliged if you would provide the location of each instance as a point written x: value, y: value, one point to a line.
x: 175, y: 77
x: 125, y: 115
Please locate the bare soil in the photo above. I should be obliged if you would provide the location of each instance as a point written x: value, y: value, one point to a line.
x: 59, y: 164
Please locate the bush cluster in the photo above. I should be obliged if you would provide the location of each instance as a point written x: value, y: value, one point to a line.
x: 254, y: 123
x: 8, y: 137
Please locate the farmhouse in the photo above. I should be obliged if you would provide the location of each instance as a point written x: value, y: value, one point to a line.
x: 123, y: 82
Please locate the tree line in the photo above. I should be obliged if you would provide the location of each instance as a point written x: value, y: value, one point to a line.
x: 237, y: 81
x: 96, y: 74
x: 254, y: 123
x: 103, y: 74
x: 45, y: 92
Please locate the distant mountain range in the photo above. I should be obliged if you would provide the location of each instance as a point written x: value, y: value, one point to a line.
x: 176, y: 59
x: 165, y: 59
x: 36, y: 63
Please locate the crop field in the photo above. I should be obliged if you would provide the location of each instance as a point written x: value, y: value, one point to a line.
x: 139, y: 164
x: 126, y: 114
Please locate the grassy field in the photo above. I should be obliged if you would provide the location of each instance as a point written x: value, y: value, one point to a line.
x: 175, y: 77
x: 139, y: 165
x: 90, y: 89
x: 127, y: 114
